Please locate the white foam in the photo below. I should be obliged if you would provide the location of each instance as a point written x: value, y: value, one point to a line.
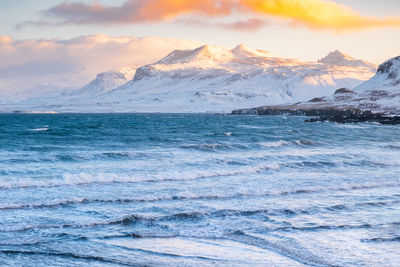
x: 351, y: 126
x: 42, y: 129
x: 102, y: 178
x: 54, y: 202
x: 217, y: 249
x: 274, y: 144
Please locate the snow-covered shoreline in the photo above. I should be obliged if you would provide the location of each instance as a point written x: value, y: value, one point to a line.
x: 378, y: 99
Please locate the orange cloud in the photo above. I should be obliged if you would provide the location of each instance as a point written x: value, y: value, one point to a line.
x: 317, y: 14
x: 314, y: 14
x: 156, y: 10
x: 248, y: 25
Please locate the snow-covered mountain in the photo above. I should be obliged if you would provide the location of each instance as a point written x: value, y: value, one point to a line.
x: 387, y: 78
x: 216, y: 79
x: 379, y: 95
x: 52, y: 95
x: 340, y: 59
x: 107, y: 81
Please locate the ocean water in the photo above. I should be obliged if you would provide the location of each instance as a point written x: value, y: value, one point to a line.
x: 197, y: 190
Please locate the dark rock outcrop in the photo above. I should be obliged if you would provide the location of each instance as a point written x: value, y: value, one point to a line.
x: 356, y: 118
x: 377, y: 100
x: 323, y: 114
x: 390, y: 68
x: 317, y: 100
x: 344, y: 91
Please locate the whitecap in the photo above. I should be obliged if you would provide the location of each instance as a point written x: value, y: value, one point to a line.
x: 104, y: 178
x: 41, y: 129
x: 274, y: 144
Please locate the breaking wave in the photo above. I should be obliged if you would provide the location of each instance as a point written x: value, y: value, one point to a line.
x: 103, y: 178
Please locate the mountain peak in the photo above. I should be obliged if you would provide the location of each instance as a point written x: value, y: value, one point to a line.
x: 242, y: 47
x: 390, y: 66
x: 109, y: 80
x: 202, y: 53
x: 125, y: 72
x: 205, y: 50
x: 340, y: 59
x: 336, y: 57
x: 244, y: 50
x: 211, y: 53
x: 391, y: 69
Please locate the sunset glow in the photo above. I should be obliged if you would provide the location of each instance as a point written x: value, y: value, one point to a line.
x: 199, y: 133
x: 315, y: 14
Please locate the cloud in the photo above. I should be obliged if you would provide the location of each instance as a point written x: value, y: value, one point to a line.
x: 314, y: 14
x: 134, y: 11
x: 74, y: 62
x: 248, y: 25
x: 245, y: 25
x: 317, y: 14
x: 98, y: 52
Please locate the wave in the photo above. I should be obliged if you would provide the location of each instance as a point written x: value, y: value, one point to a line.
x: 271, y: 144
x: 40, y: 129
x: 382, y: 239
x: 251, y: 127
x: 312, y: 164
x: 48, y: 204
x: 67, y: 156
x: 282, y: 143
x: 135, y: 218
x: 305, y: 143
x: 395, y: 146
x: 88, y: 258
x: 295, y: 252
x: 207, y: 147
x: 223, y: 133
x: 237, y: 195
x: 121, y: 155
x: 197, y: 215
x: 274, y: 144
x: 43, y: 128
x: 349, y: 187
x: 389, y: 163
x: 103, y: 178
x: 215, y: 147
x: 352, y: 126
x: 46, y: 148
x: 324, y: 227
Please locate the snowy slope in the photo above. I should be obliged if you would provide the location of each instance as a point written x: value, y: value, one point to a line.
x: 380, y: 94
x: 383, y: 90
x: 387, y: 78
x: 218, y: 79
x: 57, y: 98
x: 107, y: 81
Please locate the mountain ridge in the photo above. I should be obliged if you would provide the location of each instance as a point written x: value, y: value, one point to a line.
x: 377, y: 99
x: 213, y: 79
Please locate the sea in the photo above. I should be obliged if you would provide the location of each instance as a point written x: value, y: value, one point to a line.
x: 197, y: 190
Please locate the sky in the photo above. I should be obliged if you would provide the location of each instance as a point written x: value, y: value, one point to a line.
x: 54, y: 31
x: 282, y: 32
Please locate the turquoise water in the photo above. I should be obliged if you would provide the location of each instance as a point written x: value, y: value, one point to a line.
x: 195, y: 190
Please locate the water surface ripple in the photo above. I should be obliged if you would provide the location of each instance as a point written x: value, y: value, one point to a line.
x: 197, y: 190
